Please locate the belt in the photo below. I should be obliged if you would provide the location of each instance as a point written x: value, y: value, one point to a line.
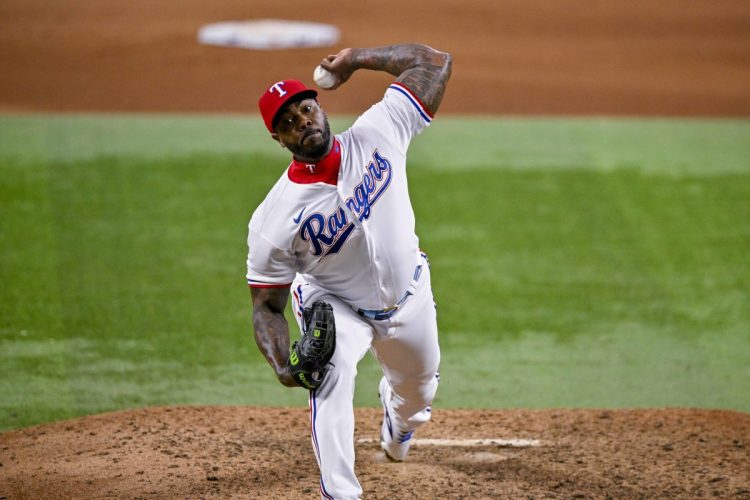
x: 381, y: 314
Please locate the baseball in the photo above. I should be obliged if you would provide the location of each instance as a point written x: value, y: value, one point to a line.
x: 324, y: 78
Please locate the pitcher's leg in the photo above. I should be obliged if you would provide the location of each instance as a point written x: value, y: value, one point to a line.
x: 409, y: 354
x: 332, y: 407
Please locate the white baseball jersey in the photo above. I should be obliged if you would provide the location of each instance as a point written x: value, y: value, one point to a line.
x: 345, y: 224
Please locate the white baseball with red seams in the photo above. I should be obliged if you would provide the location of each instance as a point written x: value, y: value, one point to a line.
x: 342, y: 230
x: 324, y: 78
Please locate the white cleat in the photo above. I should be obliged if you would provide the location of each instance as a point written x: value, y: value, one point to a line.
x: 394, y: 441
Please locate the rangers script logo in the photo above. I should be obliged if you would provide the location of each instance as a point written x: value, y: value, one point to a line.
x: 328, y: 233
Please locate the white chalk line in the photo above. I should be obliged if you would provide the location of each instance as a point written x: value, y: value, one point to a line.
x: 504, y: 443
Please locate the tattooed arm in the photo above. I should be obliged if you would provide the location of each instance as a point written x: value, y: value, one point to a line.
x: 424, y: 70
x: 272, y: 330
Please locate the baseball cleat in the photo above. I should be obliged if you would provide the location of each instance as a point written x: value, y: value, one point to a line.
x: 394, y: 441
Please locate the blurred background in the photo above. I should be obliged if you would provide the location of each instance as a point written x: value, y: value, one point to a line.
x: 602, y: 57
x: 584, y: 197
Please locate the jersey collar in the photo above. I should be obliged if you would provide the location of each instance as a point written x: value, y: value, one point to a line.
x: 326, y: 170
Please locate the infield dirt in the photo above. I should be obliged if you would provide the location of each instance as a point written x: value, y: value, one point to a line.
x: 538, y: 57
x: 234, y: 452
x: 637, y: 57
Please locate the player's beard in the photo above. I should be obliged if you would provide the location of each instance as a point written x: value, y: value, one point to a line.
x: 315, y: 152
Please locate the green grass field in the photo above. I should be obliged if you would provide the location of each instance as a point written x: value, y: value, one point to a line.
x: 576, y: 263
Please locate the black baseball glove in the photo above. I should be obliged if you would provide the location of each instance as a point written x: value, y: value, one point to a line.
x: 310, y: 355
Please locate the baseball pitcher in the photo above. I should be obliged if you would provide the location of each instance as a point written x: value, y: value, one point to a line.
x: 336, y: 232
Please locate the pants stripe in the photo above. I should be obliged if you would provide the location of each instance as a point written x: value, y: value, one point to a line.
x: 313, y: 415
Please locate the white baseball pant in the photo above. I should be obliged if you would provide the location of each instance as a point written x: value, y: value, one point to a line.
x: 406, y: 347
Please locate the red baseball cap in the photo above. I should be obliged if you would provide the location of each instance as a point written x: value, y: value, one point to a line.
x: 278, y: 95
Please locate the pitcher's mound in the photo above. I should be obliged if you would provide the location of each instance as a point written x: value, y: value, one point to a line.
x: 240, y: 452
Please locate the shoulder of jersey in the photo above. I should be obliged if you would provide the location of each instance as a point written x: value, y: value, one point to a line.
x: 365, y: 129
x: 277, y: 206
x: 285, y: 205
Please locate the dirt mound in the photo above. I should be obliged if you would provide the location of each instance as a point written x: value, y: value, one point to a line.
x: 241, y: 452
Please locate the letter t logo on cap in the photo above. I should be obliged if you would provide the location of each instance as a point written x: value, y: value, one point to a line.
x: 278, y: 87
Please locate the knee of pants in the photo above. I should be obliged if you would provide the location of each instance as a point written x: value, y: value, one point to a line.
x: 417, y: 392
x: 340, y: 375
x: 344, y: 363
